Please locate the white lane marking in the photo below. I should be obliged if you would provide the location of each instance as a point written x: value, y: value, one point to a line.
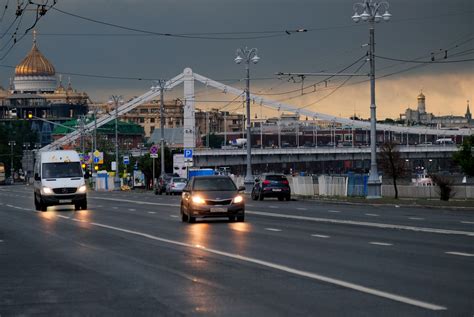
x: 334, y: 211
x: 64, y: 217
x: 248, y: 205
x: 273, y: 229
x: 78, y: 220
x: 381, y: 243
x: 301, y: 208
x: 362, y: 223
x: 136, y: 202
x: 372, y: 215
x: 320, y: 236
x: 115, y: 207
x: 1, y: 241
x: 173, y: 216
x: 132, y: 209
x: 8, y: 205
x: 416, y: 218
x: 459, y: 253
x: 152, y: 212
x: 314, y: 276
x: 468, y: 222
x: 273, y: 207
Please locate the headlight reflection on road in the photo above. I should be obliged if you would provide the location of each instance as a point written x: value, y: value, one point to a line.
x: 198, y: 234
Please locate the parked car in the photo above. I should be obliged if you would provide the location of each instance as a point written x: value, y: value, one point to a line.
x: 271, y: 185
x: 175, y: 185
x: 212, y: 196
x: 160, y: 184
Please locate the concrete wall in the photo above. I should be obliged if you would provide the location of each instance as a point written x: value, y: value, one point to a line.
x: 407, y: 191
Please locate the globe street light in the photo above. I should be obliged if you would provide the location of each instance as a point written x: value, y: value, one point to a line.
x: 247, y: 55
x: 369, y: 11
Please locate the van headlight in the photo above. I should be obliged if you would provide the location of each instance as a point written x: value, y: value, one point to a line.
x: 238, y: 199
x: 47, y: 191
x: 82, y: 189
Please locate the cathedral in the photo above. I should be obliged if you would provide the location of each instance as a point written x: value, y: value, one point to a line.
x: 35, y: 88
x: 420, y: 116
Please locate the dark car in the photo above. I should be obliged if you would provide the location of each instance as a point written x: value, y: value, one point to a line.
x: 160, y: 185
x: 212, y: 196
x: 271, y: 185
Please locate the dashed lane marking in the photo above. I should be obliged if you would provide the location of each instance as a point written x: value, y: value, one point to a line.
x: 416, y: 218
x: 273, y: 207
x: 301, y: 208
x: 334, y: 211
x: 362, y: 223
x: 173, y: 216
x: 468, y: 222
x: 64, y: 217
x: 132, y: 209
x: 372, y: 215
x: 459, y: 253
x: 152, y: 212
x: 287, y: 269
x: 381, y: 243
x: 320, y: 236
x: 273, y: 229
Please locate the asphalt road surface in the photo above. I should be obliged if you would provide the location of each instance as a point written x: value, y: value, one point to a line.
x: 129, y: 254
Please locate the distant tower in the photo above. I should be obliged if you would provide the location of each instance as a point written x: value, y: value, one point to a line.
x: 468, y: 114
x: 421, y: 103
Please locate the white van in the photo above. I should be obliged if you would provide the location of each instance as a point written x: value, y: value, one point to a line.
x: 59, y: 180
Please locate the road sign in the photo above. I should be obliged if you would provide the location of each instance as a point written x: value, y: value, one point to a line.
x: 154, y: 149
x: 188, y: 153
x: 154, y: 155
x: 97, y: 157
x: 96, y: 160
x: 126, y: 159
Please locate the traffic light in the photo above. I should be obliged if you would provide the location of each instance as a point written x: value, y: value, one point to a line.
x: 83, y: 166
x: 96, y: 167
x: 30, y: 115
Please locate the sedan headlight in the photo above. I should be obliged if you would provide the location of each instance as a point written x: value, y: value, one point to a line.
x: 47, y: 191
x: 198, y: 200
x: 238, y: 199
x: 82, y: 189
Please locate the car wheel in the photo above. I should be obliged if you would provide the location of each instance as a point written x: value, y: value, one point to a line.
x: 84, y: 204
x: 241, y: 218
x: 232, y: 218
x: 253, y: 195
x: 184, y: 217
x: 156, y: 192
x: 37, y: 206
x: 280, y: 198
x: 288, y: 198
x: 191, y: 219
x: 77, y: 206
x: 260, y: 196
x: 42, y: 205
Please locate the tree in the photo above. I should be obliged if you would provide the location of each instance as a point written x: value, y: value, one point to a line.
x: 465, y: 156
x: 392, y: 164
x: 445, y: 186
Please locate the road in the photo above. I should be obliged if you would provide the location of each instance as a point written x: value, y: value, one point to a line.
x: 129, y: 253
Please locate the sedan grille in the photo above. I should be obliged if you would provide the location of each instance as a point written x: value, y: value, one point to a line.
x: 210, y: 202
x: 65, y: 190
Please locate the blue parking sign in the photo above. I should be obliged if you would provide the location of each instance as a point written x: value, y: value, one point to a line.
x: 188, y: 153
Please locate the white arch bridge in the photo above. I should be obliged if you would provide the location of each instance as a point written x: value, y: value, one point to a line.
x: 187, y: 77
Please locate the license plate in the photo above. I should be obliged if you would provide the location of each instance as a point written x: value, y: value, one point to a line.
x: 64, y: 201
x: 276, y: 190
x: 218, y: 209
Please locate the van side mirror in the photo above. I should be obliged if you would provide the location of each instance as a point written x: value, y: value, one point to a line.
x: 241, y: 188
x: 37, y: 177
x: 87, y: 175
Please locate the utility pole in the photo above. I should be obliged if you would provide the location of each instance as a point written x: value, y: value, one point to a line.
x: 161, y: 83
x: 116, y: 100
x: 12, y: 169
x: 370, y: 13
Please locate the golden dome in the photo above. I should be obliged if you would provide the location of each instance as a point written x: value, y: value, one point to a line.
x: 35, y: 64
x: 421, y: 96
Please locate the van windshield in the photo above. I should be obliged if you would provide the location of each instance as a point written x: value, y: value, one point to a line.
x: 62, y: 170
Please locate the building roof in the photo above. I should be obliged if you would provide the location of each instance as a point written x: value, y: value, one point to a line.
x: 35, y: 64
x: 124, y: 128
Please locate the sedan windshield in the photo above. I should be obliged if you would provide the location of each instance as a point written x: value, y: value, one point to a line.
x: 179, y: 180
x: 62, y: 170
x: 214, y: 184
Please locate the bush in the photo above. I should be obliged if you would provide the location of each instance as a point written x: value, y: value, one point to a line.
x: 445, y: 186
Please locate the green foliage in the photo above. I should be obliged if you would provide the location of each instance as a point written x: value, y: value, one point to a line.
x: 445, y: 186
x: 465, y: 156
x: 215, y: 141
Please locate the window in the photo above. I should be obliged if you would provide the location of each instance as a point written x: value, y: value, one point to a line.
x: 143, y: 110
x: 152, y: 120
x: 142, y: 120
x: 62, y: 170
x: 152, y: 128
x: 214, y: 184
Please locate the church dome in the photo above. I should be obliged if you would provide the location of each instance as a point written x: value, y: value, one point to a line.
x: 35, y: 64
x: 421, y: 96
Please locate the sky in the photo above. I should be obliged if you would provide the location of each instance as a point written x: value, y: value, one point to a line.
x: 417, y: 29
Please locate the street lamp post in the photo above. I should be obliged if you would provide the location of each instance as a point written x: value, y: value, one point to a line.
x: 12, y: 169
x: 371, y: 14
x: 116, y: 100
x: 247, y: 55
